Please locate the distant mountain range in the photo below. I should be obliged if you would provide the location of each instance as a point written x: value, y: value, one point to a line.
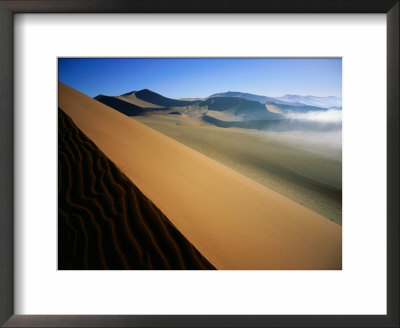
x: 223, y: 109
x: 248, y: 96
x: 292, y: 100
x: 240, y: 107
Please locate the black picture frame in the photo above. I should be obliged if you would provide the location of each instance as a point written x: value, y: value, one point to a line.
x: 10, y: 7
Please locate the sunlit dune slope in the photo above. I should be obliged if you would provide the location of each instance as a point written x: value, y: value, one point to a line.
x: 233, y: 221
x: 131, y: 98
x: 104, y: 221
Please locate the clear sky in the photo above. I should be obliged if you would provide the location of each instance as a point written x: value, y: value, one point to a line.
x: 201, y: 77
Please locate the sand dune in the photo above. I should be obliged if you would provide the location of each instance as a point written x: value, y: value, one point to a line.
x: 122, y: 106
x: 104, y: 221
x: 294, y: 165
x: 233, y: 221
x: 155, y: 98
x: 273, y: 109
x: 131, y: 98
x: 224, y: 115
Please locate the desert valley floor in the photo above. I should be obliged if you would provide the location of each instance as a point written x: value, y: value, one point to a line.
x: 308, y: 177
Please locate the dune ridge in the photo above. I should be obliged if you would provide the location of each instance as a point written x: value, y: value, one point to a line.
x: 104, y: 221
x: 131, y: 98
x: 157, y: 99
x: 233, y: 221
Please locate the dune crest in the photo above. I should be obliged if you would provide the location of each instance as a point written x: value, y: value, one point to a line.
x: 233, y: 221
x: 131, y: 98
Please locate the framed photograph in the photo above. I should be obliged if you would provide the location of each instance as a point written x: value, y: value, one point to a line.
x: 199, y: 164
x: 183, y: 157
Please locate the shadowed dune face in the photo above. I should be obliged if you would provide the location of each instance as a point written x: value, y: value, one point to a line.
x: 128, y: 108
x: 130, y: 105
x: 104, y: 220
x: 121, y: 105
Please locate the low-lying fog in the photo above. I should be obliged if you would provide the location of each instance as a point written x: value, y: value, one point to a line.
x: 330, y: 115
x: 327, y: 142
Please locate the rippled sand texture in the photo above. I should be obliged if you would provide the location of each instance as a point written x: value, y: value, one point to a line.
x: 104, y: 221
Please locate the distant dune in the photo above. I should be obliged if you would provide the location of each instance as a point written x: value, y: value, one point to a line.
x: 155, y: 98
x: 229, y: 107
x: 131, y: 98
x: 233, y: 221
x: 143, y: 102
x: 104, y: 221
x: 273, y: 109
x: 122, y: 106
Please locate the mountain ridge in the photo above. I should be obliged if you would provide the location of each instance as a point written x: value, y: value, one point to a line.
x: 226, y: 107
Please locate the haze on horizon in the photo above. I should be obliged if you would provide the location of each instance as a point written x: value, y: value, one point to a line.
x: 202, y: 77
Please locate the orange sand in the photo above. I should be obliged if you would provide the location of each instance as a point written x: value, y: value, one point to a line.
x: 136, y: 101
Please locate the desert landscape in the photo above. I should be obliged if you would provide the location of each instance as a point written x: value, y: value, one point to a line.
x: 230, y: 181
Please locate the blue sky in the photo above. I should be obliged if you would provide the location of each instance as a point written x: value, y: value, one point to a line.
x: 201, y: 77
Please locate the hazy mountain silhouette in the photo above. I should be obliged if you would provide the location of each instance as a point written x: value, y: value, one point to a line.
x: 236, y: 109
x: 246, y: 109
x: 285, y: 104
x: 248, y: 96
x: 275, y: 125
